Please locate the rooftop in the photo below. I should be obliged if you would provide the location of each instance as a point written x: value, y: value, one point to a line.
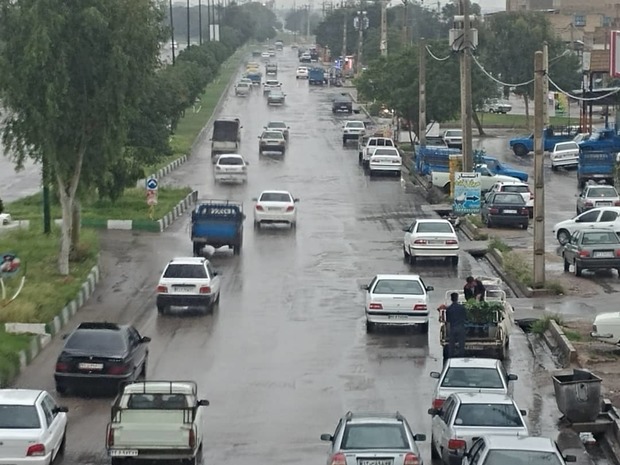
x: 19, y: 396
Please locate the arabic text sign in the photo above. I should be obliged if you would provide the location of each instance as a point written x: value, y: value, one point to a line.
x: 467, y: 193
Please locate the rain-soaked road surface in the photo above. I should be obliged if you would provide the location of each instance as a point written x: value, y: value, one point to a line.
x: 286, y: 353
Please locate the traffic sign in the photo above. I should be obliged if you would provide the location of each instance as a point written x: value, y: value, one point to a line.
x: 467, y: 193
x: 151, y: 184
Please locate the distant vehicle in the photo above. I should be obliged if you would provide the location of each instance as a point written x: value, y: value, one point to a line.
x: 33, y: 428
x: 506, y: 209
x: 375, y: 143
x: 271, y: 69
x: 523, y: 145
x: 431, y: 238
x: 464, y: 417
x: 497, y: 106
x: 605, y: 139
x: 392, y: 439
x: 564, y: 154
x: 256, y: 53
x: 265, y: 56
x: 101, y: 355
x: 595, y: 195
x: 275, y: 207
x: 155, y: 421
x: 226, y: 137
x: 271, y: 84
x: 301, y: 73
x: 272, y: 141
x: 603, y: 217
x: 397, y: 299
x: 305, y: 58
x: 276, y: 97
x: 596, y: 166
x: 487, y: 179
x: 316, y: 76
x: 217, y: 223
x: 231, y: 167
x: 342, y: 102
x: 352, y: 130
x: 255, y: 76
x: 471, y: 375
x: 489, y: 450
x: 385, y: 163
x: 271, y: 52
x: 279, y: 45
x: 278, y: 126
x: 607, y: 327
x: 243, y: 89
x: 518, y: 187
x: 453, y: 138
x: 592, y: 249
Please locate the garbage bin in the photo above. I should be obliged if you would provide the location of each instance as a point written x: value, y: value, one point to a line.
x: 578, y: 395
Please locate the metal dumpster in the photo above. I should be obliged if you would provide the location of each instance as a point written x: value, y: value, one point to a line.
x: 578, y: 395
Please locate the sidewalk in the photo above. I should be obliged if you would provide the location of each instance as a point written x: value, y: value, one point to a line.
x: 569, y: 308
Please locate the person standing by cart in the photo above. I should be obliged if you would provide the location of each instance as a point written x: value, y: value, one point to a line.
x: 474, y: 289
x: 456, y: 316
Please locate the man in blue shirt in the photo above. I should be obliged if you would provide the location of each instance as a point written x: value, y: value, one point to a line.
x: 456, y: 316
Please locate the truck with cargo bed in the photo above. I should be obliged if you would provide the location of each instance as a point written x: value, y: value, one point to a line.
x: 597, y: 166
x: 217, y: 223
x: 523, y: 145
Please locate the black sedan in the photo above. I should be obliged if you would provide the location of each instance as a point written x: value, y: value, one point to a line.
x: 101, y: 355
x: 506, y: 209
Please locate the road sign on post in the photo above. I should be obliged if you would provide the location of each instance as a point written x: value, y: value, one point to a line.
x: 152, y: 184
x: 467, y: 193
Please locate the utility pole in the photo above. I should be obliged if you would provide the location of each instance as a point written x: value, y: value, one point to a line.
x: 361, y: 23
x: 422, y: 96
x: 466, y: 105
x: 172, y: 33
x: 200, y: 22
x: 546, y: 84
x: 383, y: 46
x: 539, y: 180
x: 188, y: 35
x: 209, y: 20
x: 344, y: 39
x: 405, y: 22
x: 308, y: 21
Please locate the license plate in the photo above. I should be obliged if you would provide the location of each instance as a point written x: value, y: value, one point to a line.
x: 603, y: 254
x: 603, y: 204
x: 273, y: 209
x: 435, y: 242
x: 124, y: 453
x: 375, y: 462
x: 397, y: 317
x: 183, y: 288
x: 90, y: 366
x: 510, y: 211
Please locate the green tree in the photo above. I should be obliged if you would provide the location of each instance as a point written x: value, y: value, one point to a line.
x: 297, y: 20
x: 73, y: 73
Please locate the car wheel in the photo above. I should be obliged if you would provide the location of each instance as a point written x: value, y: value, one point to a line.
x: 196, y: 248
x: 566, y: 264
x: 412, y: 258
x: 256, y: 224
x: 455, y: 261
x: 563, y: 236
x: 344, y: 141
x: 488, y: 222
x: 554, y: 168
x: 161, y: 309
x: 405, y: 253
x: 370, y: 327
x: 142, y: 375
x: 446, y: 188
x: 61, y: 390
x: 423, y: 327
x: 434, y: 454
x: 360, y: 158
x: 577, y: 268
x: 520, y: 150
x: 118, y: 461
x: 525, y: 225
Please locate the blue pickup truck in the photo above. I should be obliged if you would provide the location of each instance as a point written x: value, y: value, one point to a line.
x: 217, y: 223
x: 523, y: 145
x: 602, y: 140
x: 596, y: 165
x: 316, y: 76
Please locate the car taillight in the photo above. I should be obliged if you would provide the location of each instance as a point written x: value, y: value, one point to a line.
x: 456, y: 444
x: 617, y: 203
x: 338, y: 459
x: 290, y: 208
x: 35, y: 450
x: 162, y: 289
x: 419, y: 307
x: 451, y: 242
x: 438, y: 403
x: 617, y: 253
x: 589, y: 204
x: 531, y: 196
x: 411, y: 459
x: 494, y: 210
x: 260, y: 208
x: 110, y: 437
x: 118, y: 369
x: 192, y: 438
x: 375, y: 307
x: 62, y: 367
x: 420, y: 241
x: 524, y: 211
x: 584, y: 253
x: 205, y: 290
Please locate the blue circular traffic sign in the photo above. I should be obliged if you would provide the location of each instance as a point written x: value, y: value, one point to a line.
x: 151, y: 184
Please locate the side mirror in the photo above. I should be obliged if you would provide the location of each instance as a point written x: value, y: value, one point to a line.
x: 203, y: 403
x: 430, y: 288
x: 365, y: 287
x: 523, y: 412
x: 433, y: 411
x: 216, y: 273
x: 295, y: 200
x: 512, y: 377
x: 145, y: 339
x: 327, y: 437
x: 406, y: 229
x: 570, y: 458
x: 61, y: 410
x: 419, y: 437
x: 435, y: 374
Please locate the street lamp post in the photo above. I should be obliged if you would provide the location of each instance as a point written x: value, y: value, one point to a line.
x: 360, y: 22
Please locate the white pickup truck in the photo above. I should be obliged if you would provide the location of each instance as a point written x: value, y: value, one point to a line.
x: 157, y: 420
x: 371, y: 145
x: 487, y: 179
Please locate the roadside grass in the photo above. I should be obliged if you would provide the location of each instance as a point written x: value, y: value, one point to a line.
x: 497, y: 243
x: 521, y: 270
x: 45, y: 291
x: 541, y: 325
x: 10, y: 346
x: 510, y: 121
x: 131, y: 206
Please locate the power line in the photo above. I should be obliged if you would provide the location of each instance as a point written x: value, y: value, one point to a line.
x: 582, y: 99
x: 497, y: 80
x: 433, y: 55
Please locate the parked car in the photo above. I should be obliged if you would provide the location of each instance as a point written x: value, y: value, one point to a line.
x: 352, y: 130
x: 275, y: 207
x: 101, y: 355
x: 595, y: 195
x: 301, y: 73
x: 272, y: 141
x: 188, y: 282
x: 396, y: 299
x: 276, y: 97
x: 603, y: 217
x: 305, y: 58
x: 342, y: 102
x: 432, y: 238
x: 243, y: 89
x: 522, y: 188
x: 271, y: 84
x: 607, y: 327
x: 453, y: 138
x: 231, y: 167
x: 362, y: 438
x: 497, y: 106
x: 33, y: 427
x: 471, y: 375
x: 491, y: 450
x: 375, y: 143
x: 505, y: 208
x: 564, y: 154
x: 464, y: 417
x: 278, y: 126
x: 385, y: 163
x: 592, y: 249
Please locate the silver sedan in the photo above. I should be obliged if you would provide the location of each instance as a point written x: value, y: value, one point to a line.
x: 594, y: 196
x: 592, y: 249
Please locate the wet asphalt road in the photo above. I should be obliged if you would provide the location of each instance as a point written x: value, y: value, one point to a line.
x: 286, y: 353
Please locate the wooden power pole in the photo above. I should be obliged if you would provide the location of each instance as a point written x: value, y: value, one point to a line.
x: 422, y: 95
x: 539, y: 178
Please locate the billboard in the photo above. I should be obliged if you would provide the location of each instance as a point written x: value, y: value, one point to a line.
x: 467, y: 193
x: 614, y: 59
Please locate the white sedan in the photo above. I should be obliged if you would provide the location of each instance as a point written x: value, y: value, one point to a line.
x: 603, y: 217
x: 275, y: 207
x: 231, y: 167
x: 607, y: 327
x: 396, y: 299
x: 564, y: 154
x: 430, y: 238
x: 385, y: 160
x: 32, y: 427
x: 301, y: 73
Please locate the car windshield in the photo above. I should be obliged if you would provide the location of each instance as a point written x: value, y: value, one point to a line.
x: 273, y: 135
x: 602, y: 192
x: 230, y: 161
x: 386, y: 152
x: 454, y: 134
x: 482, y: 378
x: 355, y: 125
x: 272, y: 83
x: 277, y: 124
x: 435, y: 227
x: 275, y: 197
x: 398, y: 286
x: 157, y: 401
x: 508, y: 199
x: 185, y: 271
x: 96, y: 340
x: 566, y: 146
x: 592, y: 238
x: 374, y: 436
x: 19, y: 417
x: 516, y: 189
x: 243, y: 84
x: 276, y: 93
x: 595, y: 136
x: 521, y: 457
x: 488, y: 415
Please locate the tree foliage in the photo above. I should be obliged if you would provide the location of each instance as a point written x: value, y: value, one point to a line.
x: 297, y: 20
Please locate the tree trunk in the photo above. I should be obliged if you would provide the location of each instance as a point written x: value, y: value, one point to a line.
x: 478, y: 124
x: 76, y: 221
x: 526, y: 102
x: 66, y: 205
